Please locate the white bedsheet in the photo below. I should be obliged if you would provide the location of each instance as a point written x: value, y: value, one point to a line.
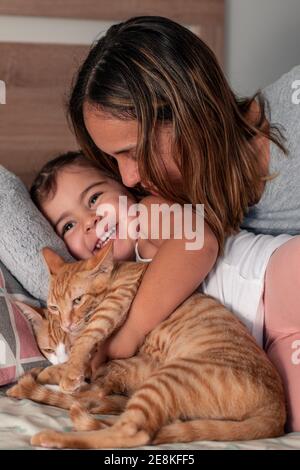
x: 20, y: 419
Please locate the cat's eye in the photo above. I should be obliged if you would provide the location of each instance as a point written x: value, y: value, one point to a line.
x: 48, y: 350
x: 77, y: 300
x: 53, y: 308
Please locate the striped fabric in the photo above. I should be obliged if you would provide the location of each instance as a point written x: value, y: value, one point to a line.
x: 18, y: 348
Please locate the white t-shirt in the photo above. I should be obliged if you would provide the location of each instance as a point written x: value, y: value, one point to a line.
x: 237, y: 279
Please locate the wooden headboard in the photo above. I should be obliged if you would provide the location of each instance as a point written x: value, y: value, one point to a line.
x: 33, y: 125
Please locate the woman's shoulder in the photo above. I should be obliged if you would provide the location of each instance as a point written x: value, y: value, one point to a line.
x: 280, y: 93
x: 285, y: 79
x: 174, y: 214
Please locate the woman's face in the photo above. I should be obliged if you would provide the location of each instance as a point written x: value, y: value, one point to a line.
x: 118, y: 138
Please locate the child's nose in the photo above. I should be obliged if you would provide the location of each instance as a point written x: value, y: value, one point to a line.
x: 91, y: 222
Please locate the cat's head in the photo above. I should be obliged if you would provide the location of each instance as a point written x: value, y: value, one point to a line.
x: 77, y: 289
x: 52, y: 341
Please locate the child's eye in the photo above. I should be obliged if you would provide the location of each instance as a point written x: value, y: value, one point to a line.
x: 93, y: 199
x: 67, y: 227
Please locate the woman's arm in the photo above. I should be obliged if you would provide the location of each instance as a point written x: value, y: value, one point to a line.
x: 172, y: 276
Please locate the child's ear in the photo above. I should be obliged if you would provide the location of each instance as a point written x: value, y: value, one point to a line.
x: 35, y: 315
x: 103, y: 261
x: 53, y: 260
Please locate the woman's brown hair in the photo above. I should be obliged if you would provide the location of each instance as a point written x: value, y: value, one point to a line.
x: 156, y: 71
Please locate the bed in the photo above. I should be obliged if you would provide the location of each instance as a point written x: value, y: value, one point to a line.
x: 21, y: 419
x: 33, y: 129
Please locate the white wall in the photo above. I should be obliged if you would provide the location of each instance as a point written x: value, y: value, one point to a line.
x: 262, y: 38
x: 262, y: 41
x: 50, y: 30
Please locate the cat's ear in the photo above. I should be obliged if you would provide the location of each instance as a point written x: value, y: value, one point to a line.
x: 103, y: 261
x: 35, y: 315
x: 53, y: 260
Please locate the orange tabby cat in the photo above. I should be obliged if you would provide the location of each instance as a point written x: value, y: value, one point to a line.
x: 198, y: 375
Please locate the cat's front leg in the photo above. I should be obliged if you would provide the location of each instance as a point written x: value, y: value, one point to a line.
x: 73, y: 377
x: 51, y: 374
x: 103, y: 323
x: 76, y: 368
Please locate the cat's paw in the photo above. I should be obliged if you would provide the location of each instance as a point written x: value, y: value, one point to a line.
x: 15, y: 392
x: 48, y: 438
x: 24, y: 387
x: 72, y: 380
x: 82, y: 420
x: 51, y: 375
x: 35, y: 371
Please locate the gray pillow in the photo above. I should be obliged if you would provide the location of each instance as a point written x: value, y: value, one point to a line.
x: 23, y: 233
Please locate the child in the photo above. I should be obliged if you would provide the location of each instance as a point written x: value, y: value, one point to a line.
x: 70, y: 188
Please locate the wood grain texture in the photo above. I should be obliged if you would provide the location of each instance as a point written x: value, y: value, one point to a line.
x: 33, y: 125
x: 184, y: 11
x: 205, y: 16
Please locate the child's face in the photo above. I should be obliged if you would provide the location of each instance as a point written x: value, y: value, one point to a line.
x: 72, y: 210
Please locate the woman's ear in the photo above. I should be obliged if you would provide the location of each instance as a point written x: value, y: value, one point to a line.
x: 35, y: 315
x: 53, y: 260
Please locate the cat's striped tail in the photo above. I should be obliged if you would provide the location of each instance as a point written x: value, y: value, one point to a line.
x: 256, y: 427
x: 27, y: 387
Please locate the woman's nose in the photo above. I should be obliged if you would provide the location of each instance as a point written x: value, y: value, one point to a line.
x: 129, y: 172
x: 91, y: 222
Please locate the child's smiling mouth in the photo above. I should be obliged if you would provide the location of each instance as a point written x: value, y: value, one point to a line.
x: 103, y: 240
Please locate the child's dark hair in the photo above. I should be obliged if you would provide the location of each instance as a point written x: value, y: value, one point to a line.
x: 45, y: 183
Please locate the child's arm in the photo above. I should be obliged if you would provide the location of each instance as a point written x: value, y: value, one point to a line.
x: 173, y: 275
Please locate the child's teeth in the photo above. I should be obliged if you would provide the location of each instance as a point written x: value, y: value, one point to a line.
x: 105, y: 237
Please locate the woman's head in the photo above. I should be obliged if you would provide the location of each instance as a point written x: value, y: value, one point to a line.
x: 68, y: 190
x: 152, y: 106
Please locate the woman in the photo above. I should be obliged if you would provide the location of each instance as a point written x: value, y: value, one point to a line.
x: 152, y: 105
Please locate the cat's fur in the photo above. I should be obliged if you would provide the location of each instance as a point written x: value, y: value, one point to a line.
x: 198, y: 375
